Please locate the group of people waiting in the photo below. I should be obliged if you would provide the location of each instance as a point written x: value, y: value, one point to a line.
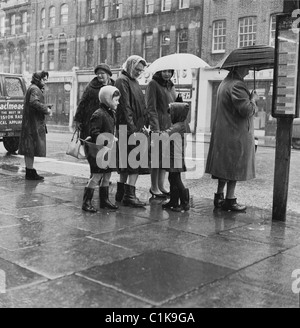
x: 106, y: 105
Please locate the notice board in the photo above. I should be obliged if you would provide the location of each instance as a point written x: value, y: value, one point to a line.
x: 286, y: 84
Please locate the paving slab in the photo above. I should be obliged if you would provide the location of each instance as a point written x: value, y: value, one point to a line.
x: 69, y: 292
x: 156, y: 277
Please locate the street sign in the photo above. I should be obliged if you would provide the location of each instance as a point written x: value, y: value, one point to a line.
x: 285, y: 99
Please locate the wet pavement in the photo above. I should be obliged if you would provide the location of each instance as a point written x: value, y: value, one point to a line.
x: 52, y: 254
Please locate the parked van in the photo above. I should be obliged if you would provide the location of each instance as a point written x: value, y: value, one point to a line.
x: 12, y: 93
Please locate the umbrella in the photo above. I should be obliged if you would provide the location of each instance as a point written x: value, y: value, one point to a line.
x: 256, y: 57
x: 177, y: 62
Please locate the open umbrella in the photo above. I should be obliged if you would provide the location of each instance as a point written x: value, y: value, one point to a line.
x: 257, y: 58
x: 177, y: 62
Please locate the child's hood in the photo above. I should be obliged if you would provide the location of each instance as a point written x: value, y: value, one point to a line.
x: 179, y: 112
x: 106, y: 95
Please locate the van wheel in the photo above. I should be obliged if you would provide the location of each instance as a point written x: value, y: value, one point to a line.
x: 296, y: 143
x: 11, y: 144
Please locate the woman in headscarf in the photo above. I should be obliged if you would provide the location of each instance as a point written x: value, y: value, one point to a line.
x: 160, y: 93
x: 33, y: 134
x: 132, y: 114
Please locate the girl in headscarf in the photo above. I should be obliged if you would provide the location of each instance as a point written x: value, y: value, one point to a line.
x: 131, y: 113
x: 102, y: 121
x: 33, y: 134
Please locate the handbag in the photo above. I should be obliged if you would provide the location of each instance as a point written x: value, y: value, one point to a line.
x: 75, y: 147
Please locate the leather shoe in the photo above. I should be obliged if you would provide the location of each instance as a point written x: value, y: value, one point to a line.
x: 232, y: 205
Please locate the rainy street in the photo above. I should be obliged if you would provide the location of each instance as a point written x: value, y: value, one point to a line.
x: 52, y: 254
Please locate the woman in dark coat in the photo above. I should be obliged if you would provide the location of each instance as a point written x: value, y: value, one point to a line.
x: 102, y: 122
x: 132, y: 114
x: 33, y: 134
x: 173, y: 157
x: 231, y: 156
x: 89, y: 101
x: 160, y: 93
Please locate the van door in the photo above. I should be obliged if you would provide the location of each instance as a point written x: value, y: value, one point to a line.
x: 3, y: 111
x: 14, y: 94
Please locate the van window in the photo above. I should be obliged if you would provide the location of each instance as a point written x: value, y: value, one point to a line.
x: 14, y: 87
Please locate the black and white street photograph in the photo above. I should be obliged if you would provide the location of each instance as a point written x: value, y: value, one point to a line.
x: 149, y: 157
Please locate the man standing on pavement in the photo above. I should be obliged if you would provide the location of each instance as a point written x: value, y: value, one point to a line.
x: 89, y: 102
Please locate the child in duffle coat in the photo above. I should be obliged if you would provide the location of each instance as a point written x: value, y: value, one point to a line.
x: 102, y: 121
x: 173, y: 158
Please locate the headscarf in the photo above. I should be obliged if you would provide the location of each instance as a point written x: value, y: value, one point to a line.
x: 37, y: 78
x: 106, y: 95
x: 131, y: 63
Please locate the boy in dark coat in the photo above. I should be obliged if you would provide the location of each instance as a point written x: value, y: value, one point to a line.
x: 173, y: 158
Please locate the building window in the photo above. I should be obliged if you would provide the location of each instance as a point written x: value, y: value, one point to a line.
x: 219, y: 36
x: 164, y: 44
x: 62, y: 56
x: 118, y: 8
x: 51, y: 57
x: 52, y: 16
x: 64, y: 11
x: 13, y: 24
x: 149, y: 6
x: 2, y: 24
x: 103, y: 50
x: 184, y: 4
x: 105, y: 10
x: 166, y: 5
x: 148, y: 45
x: 272, y: 30
x: 24, y: 22
x: 117, y: 51
x: 42, y: 58
x: 91, y: 11
x: 1, y: 58
x: 90, y: 53
x: 43, y: 18
x: 183, y: 41
x: 11, y: 58
x: 22, y: 47
x: 247, y: 31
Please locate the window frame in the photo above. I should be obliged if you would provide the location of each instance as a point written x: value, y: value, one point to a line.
x: 184, y: 4
x: 24, y: 21
x: 149, y: 4
x: 214, y: 36
x: 253, y: 41
x: 52, y: 14
x: 162, y: 45
x: 166, y: 5
x: 91, y: 11
x: 43, y: 18
x: 12, y: 24
x: 64, y: 16
x: 145, y: 51
x: 50, y: 50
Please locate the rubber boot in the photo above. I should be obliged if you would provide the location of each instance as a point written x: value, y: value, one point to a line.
x: 174, y: 199
x: 130, y: 198
x: 31, y: 174
x: 120, y: 192
x: 87, y: 200
x: 232, y: 205
x: 219, y: 200
x: 104, y: 200
x: 184, y: 201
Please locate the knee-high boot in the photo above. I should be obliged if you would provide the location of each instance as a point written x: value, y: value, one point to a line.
x: 130, y: 198
x: 184, y: 201
x: 104, y: 200
x: 174, y: 199
x: 87, y: 200
x: 120, y: 192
